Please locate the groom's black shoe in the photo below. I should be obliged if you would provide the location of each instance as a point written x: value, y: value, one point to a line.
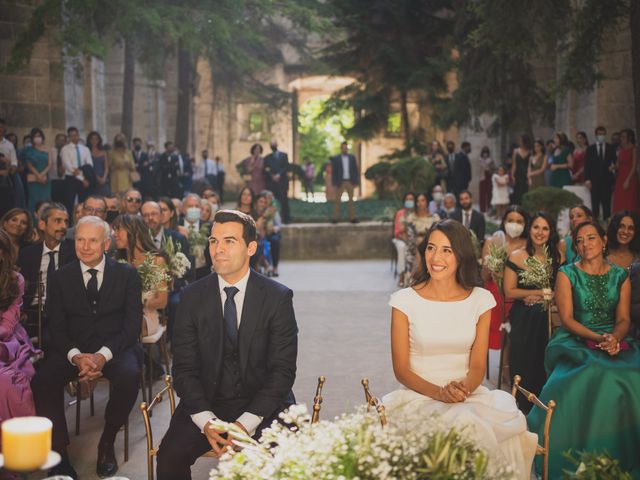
x: 64, y: 468
x: 107, y: 464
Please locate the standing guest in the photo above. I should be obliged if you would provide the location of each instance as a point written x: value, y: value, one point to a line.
x: 147, y: 164
x: 210, y: 343
x: 275, y: 170
x: 400, y: 233
x: 625, y: 193
x: 598, y: 173
x: 511, y: 236
x: 16, y: 350
x: 75, y: 157
x: 309, y: 177
x: 121, y: 165
x: 550, y: 148
x: 168, y: 214
x: 468, y: 216
x: 185, y: 172
x: 132, y: 201
x: 169, y: 172
x: 207, y: 170
x: 562, y: 161
x: 487, y: 166
x: 623, y: 241
x: 220, y: 176
x: 100, y: 164
x: 18, y: 225
x: 449, y: 204
x: 273, y: 231
x: 56, y: 172
x: 591, y: 357
x: 528, y: 317
x: 520, y: 161
x: 41, y: 260
x: 38, y: 162
x: 500, y: 195
x: 345, y: 178
x: 577, y: 215
x: 252, y: 169
x: 537, y: 166
x: 462, y: 169
x: 329, y: 189
x: 246, y: 199
x: 8, y: 166
x: 579, y: 158
x: 416, y: 224
x: 436, y: 205
x: 113, y: 207
x: 445, y: 172
x: 95, y: 313
x: 436, y: 158
x: 439, y: 339
x: 93, y: 205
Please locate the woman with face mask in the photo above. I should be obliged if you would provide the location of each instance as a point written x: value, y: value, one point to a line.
x: 121, y: 165
x: 528, y: 318
x: 38, y: 162
x: 577, y: 215
x: 511, y: 236
x: 400, y: 234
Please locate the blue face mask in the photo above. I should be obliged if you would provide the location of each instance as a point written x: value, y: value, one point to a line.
x: 409, y: 204
x: 193, y: 214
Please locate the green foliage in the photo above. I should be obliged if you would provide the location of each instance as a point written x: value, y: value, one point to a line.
x: 366, y: 209
x: 378, y: 173
x: 594, y: 466
x: 413, y: 174
x: 551, y: 200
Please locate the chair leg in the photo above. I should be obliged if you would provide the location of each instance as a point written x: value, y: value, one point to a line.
x: 91, y: 404
x: 150, y: 377
x: 164, y: 351
x: 149, y: 466
x: 78, y: 400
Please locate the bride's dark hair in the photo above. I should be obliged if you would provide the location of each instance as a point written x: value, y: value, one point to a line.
x: 467, y: 274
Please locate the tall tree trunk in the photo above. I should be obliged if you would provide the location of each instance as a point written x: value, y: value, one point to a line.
x: 635, y: 57
x: 406, y: 127
x: 185, y: 70
x: 128, y: 87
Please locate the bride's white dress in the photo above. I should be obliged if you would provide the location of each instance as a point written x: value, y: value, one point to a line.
x: 441, y: 335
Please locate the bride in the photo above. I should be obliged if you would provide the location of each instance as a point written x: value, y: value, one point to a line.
x: 439, y: 343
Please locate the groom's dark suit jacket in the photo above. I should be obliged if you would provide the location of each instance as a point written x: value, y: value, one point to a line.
x: 267, y: 346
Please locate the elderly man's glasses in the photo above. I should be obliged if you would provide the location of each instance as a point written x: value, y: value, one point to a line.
x: 134, y: 200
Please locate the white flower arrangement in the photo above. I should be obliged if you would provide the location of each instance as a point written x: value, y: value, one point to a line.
x: 355, y: 446
x: 153, y: 276
x: 538, y: 274
x: 495, y: 261
x: 177, y: 262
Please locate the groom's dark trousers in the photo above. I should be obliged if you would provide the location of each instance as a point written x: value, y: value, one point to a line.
x: 211, y: 373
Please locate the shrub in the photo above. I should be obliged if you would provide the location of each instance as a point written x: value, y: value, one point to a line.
x: 551, y: 200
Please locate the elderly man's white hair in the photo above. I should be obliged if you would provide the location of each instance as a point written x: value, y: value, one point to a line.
x: 93, y: 220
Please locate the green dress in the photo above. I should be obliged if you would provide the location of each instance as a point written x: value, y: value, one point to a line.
x: 597, y: 395
x: 570, y: 256
x: 37, y: 191
x: 562, y: 177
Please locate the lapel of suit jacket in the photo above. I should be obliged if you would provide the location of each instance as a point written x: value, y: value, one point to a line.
x: 108, y: 282
x: 251, y: 308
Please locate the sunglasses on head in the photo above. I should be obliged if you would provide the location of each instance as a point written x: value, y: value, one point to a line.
x: 134, y: 200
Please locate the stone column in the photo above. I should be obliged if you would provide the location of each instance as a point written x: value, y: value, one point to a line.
x: 74, y: 93
x: 98, y: 97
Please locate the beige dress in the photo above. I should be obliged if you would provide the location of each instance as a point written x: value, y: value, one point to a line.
x: 120, y: 167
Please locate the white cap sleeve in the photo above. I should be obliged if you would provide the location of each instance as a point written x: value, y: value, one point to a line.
x: 401, y: 300
x: 486, y: 301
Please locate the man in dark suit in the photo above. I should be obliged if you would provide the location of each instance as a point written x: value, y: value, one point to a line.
x: 146, y: 166
x: 95, y: 315
x: 45, y: 258
x: 598, y: 173
x: 344, y: 177
x: 275, y: 170
x: 462, y: 169
x: 468, y: 216
x: 169, y: 172
x: 235, y: 345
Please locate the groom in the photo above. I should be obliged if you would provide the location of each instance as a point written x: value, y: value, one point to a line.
x: 235, y: 344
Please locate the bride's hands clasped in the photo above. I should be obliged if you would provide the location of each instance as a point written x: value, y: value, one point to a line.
x: 453, y: 392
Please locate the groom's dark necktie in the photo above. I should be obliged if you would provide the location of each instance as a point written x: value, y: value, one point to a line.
x: 231, y: 315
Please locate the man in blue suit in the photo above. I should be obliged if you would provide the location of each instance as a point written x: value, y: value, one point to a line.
x: 344, y: 177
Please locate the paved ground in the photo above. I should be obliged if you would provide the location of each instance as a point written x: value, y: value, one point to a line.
x: 343, y: 318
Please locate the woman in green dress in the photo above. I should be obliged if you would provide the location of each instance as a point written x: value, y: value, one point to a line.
x: 593, y: 366
x: 577, y: 215
x: 36, y: 158
x: 562, y: 161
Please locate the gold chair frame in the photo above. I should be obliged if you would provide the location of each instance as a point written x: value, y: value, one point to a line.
x: 548, y: 408
x: 374, y: 402
x: 317, y: 401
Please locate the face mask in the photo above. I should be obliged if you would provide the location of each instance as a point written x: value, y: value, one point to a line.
x: 111, y: 216
x: 450, y: 149
x: 214, y: 207
x: 37, y: 140
x: 437, y: 197
x: 513, y: 229
x: 27, y: 143
x: 450, y: 210
x: 193, y: 214
x: 601, y: 138
x: 409, y: 204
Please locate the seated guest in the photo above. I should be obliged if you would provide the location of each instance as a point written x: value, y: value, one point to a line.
x: 113, y: 207
x: 436, y: 205
x: 18, y: 225
x: 195, y: 231
x: 93, y: 205
x: 95, y: 313
x: 132, y: 201
x: 469, y: 216
x: 246, y: 201
x: 449, y: 204
x: 400, y: 234
x: 37, y: 262
x: 268, y: 224
x: 169, y: 217
x: 206, y: 212
x: 230, y: 318
x: 623, y: 239
x: 577, y: 215
x: 16, y: 350
x: 591, y: 362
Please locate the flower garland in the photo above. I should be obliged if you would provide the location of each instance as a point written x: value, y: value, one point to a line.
x: 177, y: 262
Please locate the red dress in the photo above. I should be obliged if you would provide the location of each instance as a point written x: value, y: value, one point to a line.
x: 495, y: 334
x: 625, y: 199
x: 578, y: 164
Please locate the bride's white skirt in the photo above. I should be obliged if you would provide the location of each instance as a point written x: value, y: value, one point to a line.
x: 499, y: 427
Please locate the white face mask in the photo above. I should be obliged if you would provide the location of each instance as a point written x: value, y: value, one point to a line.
x: 601, y: 138
x: 513, y: 229
x: 214, y: 207
x: 193, y: 214
x: 437, y: 197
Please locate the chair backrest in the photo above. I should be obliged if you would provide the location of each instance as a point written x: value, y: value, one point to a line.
x: 146, y: 410
x: 548, y: 408
x: 317, y: 401
x: 374, y: 402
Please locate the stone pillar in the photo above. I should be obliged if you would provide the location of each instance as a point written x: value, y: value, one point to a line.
x: 74, y: 93
x: 98, y: 97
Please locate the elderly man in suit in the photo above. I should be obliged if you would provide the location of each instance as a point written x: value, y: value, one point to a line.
x: 235, y: 346
x: 344, y: 177
x: 95, y: 315
x: 469, y: 217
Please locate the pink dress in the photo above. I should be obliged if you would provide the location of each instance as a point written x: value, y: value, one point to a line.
x: 16, y: 369
x: 625, y: 199
x: 578, y: 164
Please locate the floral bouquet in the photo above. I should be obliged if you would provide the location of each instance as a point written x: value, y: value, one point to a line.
x: 538, y: 275
x: 495, y: 261
x: 177, y: 262
x: 594, y: 466
x: 355, y: 446
x: 198, y: 240
x: 152, y: 275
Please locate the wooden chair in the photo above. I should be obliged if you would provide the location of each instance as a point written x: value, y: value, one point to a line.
x: 548, y: 408
x: 317, y: 401
x: 158, y: 339
x: 35, y: 313
x: 146, y: 410
x: 374, y: 402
